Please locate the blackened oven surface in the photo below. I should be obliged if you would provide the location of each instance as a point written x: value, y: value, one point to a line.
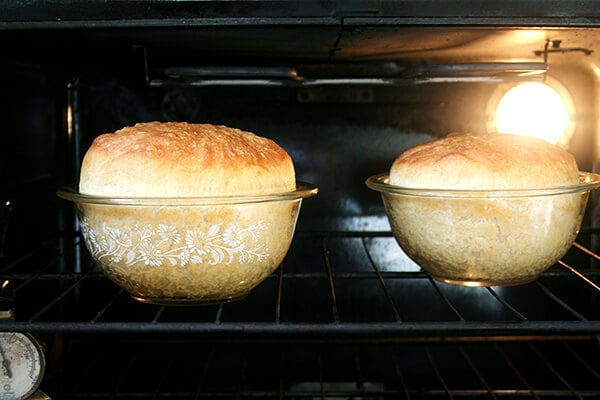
x: 347, y: 314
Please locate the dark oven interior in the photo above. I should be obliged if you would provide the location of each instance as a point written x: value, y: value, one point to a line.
x: 344, y: 88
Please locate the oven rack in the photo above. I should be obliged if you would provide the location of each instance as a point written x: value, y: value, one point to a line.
x: 94, y: 367
x: 131, y: 14
x: 331, y: 285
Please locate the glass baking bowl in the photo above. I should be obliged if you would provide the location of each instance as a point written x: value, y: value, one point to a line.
x: 200, y: 250
x: 485, y: 237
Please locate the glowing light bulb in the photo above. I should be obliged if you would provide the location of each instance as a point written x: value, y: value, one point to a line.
x: 533, y: 109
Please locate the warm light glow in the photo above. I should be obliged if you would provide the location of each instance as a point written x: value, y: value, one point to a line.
x: 533, y: 109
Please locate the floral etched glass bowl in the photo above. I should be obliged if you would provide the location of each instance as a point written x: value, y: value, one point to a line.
x: 485, y: 237
x: 188, y: 250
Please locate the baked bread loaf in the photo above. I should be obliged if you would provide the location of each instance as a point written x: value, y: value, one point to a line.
x: 176, y: 159
x: 484, y: 161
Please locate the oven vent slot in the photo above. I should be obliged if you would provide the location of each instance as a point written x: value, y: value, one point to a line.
x: 374, y: 74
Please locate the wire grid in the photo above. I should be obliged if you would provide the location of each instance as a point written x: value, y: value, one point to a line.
x: 340, y: 327
x: 318, y: 290
x: 189, y: 370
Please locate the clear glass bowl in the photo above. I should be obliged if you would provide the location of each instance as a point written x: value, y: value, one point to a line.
x: 485, y: 237
x: 193, y: 251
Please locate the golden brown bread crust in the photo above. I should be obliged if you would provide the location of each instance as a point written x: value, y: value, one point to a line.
x: 484, y: 161
x: 177, y: 159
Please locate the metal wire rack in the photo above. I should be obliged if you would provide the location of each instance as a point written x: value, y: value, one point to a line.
x: 435, y: 370
x: 330, y: 285
x: 341, y: 318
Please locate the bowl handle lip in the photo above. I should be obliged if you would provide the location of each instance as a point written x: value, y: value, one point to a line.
x: 381, y: 182
x: 303, y: 190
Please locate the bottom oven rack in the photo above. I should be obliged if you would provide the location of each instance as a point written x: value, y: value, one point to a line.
x: 180, y: 369
x: 344, y: 317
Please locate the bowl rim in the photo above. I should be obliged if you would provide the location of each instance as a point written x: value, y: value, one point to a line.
x: 380, y: 182
x: 71, y: 193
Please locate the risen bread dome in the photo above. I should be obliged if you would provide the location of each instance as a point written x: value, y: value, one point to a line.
x: 484, y: 161
x: 175, y: 159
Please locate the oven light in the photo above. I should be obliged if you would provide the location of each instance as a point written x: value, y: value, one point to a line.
x: 535, y: 109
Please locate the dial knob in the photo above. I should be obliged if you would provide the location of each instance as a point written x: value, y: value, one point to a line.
x: 22, y: 365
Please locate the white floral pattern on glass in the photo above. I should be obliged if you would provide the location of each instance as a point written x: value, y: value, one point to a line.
x: 160, y: 245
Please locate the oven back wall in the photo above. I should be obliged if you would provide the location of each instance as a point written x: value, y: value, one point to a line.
x: 33, y: 156
x: 337, y: 135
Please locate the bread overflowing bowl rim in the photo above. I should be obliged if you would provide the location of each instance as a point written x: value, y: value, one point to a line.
x: 381, y: 183
x: 71, y: 192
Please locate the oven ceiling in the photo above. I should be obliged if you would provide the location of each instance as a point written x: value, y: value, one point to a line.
x: 291, y: 32
x: 101, y: 12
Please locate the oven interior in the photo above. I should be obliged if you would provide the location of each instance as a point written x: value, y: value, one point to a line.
x: 344, y: 90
